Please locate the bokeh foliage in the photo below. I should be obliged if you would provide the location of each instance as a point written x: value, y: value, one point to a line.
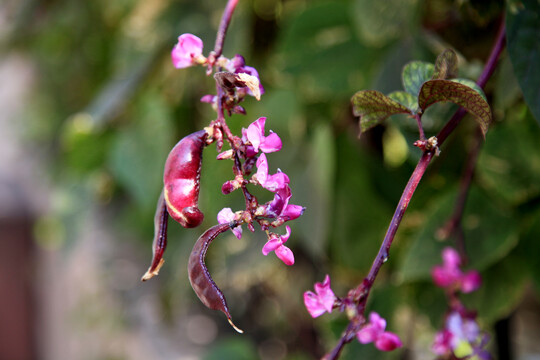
x: 109, y: 106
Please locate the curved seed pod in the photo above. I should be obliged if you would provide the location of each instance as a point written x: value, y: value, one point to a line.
x: 199, y: 277
x: 160, y: 239
x: 182, y: 179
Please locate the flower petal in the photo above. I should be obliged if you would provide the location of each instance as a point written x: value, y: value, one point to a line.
x: 471, y: 281
x: 285, y: 254
x: 313, y: 306
x: 366, y: 334
x: 388, y: 341
x: 271, y: 245
x: 255, y: 132
x: 188, y: 47
x: 225, y: 216
x: 271, y: 143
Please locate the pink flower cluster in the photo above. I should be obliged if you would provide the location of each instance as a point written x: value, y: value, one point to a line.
x: 188, y: 52
x: 450, y: 276
x: 374, y: 332
x: 278, y: 210
x: 323, y: 300
x: 461, y: 337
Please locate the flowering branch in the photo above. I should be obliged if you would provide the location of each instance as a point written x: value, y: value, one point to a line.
x: 358, y: 296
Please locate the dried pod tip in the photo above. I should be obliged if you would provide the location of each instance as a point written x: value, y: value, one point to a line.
x: 240, y: 331
x: 151, y: 273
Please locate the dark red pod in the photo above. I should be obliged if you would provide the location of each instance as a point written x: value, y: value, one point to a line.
x: 181, y: 179
x: 199, y: 276
x: 160, y: 239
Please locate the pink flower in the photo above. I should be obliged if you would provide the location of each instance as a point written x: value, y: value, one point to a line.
x: 187, y: 51
x: 449, y: 275
x: 275, y: 243
x: 321, y: 302
x: 461, y: 333
x: 255, y: 135
x: 226, y: 216
x: 270, y: 182
x: 373, y: 331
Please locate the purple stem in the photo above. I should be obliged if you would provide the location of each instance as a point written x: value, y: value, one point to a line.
x: 223, y: 26
x: 482, y: 80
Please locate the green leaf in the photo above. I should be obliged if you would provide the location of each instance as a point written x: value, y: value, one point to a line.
x: 373, y: 107
x: 405, y: 99
x: 435, y: 91
x: 139, y: 153
x: 472, y: 85
x: 490, y: 234
x: 509, y: 164
x: 381, y: 21
x: 415, y: 74
x: 446, y: 65
x: 503, y: 286
x: 523, y: 34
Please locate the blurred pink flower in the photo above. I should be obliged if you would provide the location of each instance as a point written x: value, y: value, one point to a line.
x: 449, y: 275
x: 225, y: 216
x: 322, y: 300
x: 373, y: 331
x: 275, y: 243
x: 186, y: 51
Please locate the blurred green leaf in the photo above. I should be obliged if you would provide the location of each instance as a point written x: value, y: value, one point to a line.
x: 489, y: 231
x: 360, y: 214
x: 387, y: 20
x: 237, y: 348
x: 446, y: 65
x: 373, y: 107
x: 414, y: 75
x: 139, y: 153
x: 523, y: 37
x: 319, y: 47
x: 502, y: 288
x: 509, y: 165
x: 434, y: 91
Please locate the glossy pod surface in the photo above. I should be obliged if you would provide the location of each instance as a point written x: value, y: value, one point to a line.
x: 199, y: 276
x: 181, y: 180
x: 160, y: 239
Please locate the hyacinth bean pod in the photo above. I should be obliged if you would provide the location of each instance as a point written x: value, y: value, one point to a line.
x: 160, y: 239
x: 181, y: 179
x: 199, y: 276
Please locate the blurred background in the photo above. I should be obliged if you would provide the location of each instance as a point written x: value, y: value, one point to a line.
x: 90, y: 106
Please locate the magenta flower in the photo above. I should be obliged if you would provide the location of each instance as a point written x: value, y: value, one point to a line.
x: 275, y: 243
x: 226, y: 216
x: 270, y: 182
x: 187, y: 52
x: 255, y: 135
x: 449, y: 275
x: 322, y: 300
x: 374, y: 332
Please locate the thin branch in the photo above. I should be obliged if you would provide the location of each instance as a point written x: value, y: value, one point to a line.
x: 489, y: 68
x: 222, y: 31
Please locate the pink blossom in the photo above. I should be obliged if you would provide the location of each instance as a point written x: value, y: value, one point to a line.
x: 449, y: 275
x: 270, y: 182
x: 322, y: 300
x: 255, y: 135
x: 460, y: 332
x: 187, y: 51
x: 226, y: 216
x: 374, y: 332
x: 275, y: 243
